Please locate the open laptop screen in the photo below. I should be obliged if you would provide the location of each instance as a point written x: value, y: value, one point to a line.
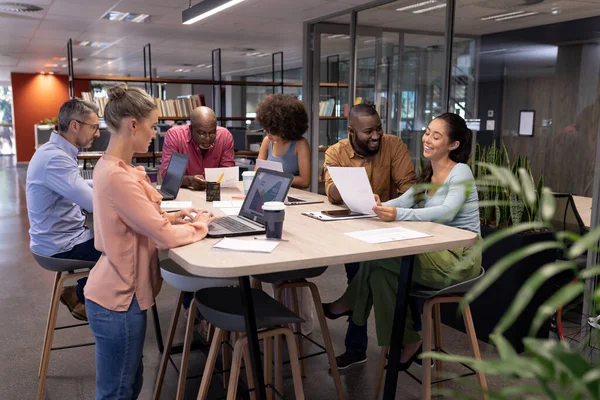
x: 174, y: 174
x: 266, y: 186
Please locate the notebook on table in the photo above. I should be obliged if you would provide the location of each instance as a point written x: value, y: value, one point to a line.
x: 267, y: 185
x: 174, y: 176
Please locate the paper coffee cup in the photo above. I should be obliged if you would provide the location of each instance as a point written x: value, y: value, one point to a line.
x: 274, y: 212
x: 247, y: 177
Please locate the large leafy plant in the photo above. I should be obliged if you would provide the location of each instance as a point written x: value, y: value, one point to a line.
x: 551, y: 369
x: 501, y: 203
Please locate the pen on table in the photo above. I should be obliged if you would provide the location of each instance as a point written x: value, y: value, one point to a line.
x: 266, y: 238
x: 220, y: 178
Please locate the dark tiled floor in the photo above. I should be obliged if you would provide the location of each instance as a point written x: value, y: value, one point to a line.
x: 25, y: 294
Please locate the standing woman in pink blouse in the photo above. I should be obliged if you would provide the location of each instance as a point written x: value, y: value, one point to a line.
x: 129, y: 227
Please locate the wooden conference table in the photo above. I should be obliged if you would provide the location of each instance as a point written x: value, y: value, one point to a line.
x: 313, y: 243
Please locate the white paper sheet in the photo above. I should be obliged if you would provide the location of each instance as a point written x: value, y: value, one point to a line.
x: 252, y: 246
x: 354, y: 187
x: 228, y: 204
x: 231, y: 178
x: 231, y: 210
x: 386, y: 235
x: 175, y: 205
x: 272, y: 165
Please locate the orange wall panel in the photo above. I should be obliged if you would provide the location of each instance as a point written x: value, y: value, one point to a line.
x: 36, y: 97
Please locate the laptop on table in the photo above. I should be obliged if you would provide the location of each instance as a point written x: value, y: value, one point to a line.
x: 174, y: 176
x: 267, y: 185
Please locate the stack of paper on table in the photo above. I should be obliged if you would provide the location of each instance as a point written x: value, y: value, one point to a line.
x: 387, y: 235
x: 252, y: 246
x: 229, y: 207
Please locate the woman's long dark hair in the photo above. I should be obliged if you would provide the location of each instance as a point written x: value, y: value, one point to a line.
x: 457, y: 132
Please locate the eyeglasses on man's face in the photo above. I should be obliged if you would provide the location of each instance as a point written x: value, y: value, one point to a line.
x: 95, y: 127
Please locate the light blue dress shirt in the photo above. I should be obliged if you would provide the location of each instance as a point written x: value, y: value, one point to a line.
x: 452, y: 204
x: 56, y: 194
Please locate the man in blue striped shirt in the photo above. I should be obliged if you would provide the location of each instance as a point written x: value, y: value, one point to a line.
x: 57, y: 195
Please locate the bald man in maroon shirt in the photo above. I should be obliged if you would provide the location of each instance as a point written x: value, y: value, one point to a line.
x: 206, y: 145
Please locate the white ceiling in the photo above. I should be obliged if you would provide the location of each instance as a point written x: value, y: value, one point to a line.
x: 30, y: 41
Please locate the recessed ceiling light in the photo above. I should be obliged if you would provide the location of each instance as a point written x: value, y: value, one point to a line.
x: 200, y: 65
x: 502, y: 15
x: 64, y: 66
x: 516, y: 16
x: 83, y: 43
x: 556, y: 11
x: 179, y: 70
x: 43, y: 72
x: 205, y: 9
x: 125, y: 16
x: 208, y: 66
x: 186, y: 70
x: 51, y: 73
x: 424, y: 10
x: 417, y: 5
x: 50, y: 65
x: 109, y: 62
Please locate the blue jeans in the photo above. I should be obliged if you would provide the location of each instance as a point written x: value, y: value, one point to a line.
x: 356, y: 339
x: 83, y: 251
x: 119, y: 344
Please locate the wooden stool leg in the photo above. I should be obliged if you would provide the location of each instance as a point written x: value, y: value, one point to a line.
x: 226, y: 356
x: 268, y: 368
x: 437, y: 327
x: 185, y: 353
x: 55, y: 292
x: 427, y: 332
x: 335, y: 373
x: 249, y: 373
x: 211, y: 360
x: 295, y: 364
x: 164, y: 360
x: 52, y: 317
x: 380, y: 371
x: 472, y: 335
x: 234, y: 375
x: 278, y: 348
x: 298, y: 328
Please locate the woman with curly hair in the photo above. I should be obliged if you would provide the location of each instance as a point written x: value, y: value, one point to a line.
x: 285, y: 120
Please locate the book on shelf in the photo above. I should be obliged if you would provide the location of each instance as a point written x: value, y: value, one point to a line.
x: 181, y: 107
x: 327, y: 108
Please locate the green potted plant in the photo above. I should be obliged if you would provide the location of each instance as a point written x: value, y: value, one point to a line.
x: 500, y: 186
x: 49, y: 123
x: 549, y: 368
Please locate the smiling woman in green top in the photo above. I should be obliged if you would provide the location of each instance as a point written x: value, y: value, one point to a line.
x: 447, y: 145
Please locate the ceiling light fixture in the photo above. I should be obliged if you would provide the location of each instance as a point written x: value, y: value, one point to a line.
x: 200, y: 65
x: 205, y: 9
x: 51, y: 73
x: 424, y: 10
x: 417, y: 5
x: 516, y: 16
x: 64, y: 66
x: 555, y: 11
x: 502, y: 15
x: 125, y: 16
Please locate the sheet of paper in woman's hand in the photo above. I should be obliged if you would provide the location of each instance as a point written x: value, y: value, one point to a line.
x: 354, y: 187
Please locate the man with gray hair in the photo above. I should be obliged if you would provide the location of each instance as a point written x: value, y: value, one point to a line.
x: 57, y: 194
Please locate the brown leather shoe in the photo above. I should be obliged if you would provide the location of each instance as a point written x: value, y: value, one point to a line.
x: 71, y: 301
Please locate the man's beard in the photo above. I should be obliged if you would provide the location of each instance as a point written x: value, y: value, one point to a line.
x: 364, y: 148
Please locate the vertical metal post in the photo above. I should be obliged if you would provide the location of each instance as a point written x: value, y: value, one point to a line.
x: 150, y: 68
x: 252, y: 332
x: 402, y: 299
x: 353, y: 58
x: 216, y: 76
x: 70, y: 68
x: 145, y: 72
x: 273, y: 78
x: 309, y: 74
x: 449, y: 35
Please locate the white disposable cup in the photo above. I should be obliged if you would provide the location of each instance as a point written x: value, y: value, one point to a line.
x: 247, y: 177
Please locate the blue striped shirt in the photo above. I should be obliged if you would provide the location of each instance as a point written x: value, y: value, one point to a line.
x: 56, y: 194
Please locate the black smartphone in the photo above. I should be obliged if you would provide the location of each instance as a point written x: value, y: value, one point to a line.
x: 340, y: 213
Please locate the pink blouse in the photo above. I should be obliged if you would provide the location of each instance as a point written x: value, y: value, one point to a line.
x: 128, y: 229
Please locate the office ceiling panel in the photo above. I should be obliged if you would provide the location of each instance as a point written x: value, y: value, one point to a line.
x: 28, y: 42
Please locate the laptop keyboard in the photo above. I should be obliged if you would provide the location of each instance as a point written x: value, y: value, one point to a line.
x: 232, y: 225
